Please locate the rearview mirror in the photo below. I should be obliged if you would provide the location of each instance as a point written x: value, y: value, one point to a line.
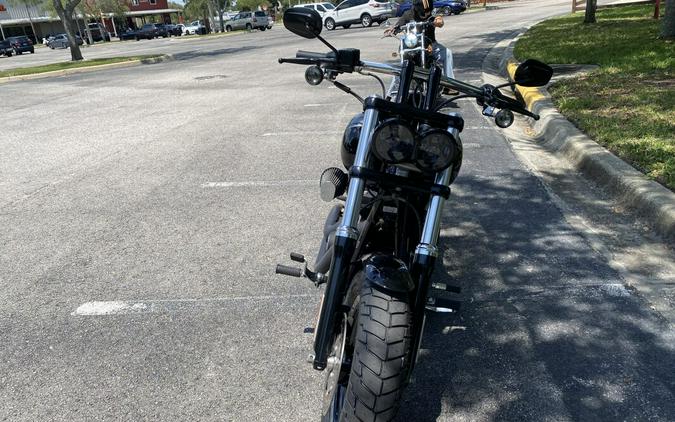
x: 533, y: 73
x: 303, y: 21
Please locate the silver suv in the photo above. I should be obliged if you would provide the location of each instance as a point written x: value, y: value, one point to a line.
x: 364, y: 12
x: 248, y: 20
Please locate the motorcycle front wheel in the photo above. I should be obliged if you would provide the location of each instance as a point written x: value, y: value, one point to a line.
x: 379, y: 362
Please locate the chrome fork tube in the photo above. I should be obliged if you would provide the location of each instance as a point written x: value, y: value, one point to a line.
x: 344, y: 247
x: 432, y: 222
x: 349, y: 225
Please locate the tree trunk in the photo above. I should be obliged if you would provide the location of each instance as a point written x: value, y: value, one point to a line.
x: 66, y: 15
x: 222, y: 22
x: 590, y: 11
x: 668, y: 21
x: 211, y: 26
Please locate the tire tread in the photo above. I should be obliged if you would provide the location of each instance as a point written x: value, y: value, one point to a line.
x: 379, y: 364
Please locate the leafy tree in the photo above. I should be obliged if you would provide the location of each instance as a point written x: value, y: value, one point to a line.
x: 591, y: 5
x: 65, y: 10
x: 252, y: 4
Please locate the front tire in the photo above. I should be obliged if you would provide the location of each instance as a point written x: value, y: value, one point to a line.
x: 366, y: 20
x: 380, y: 360
x: 330, y: 24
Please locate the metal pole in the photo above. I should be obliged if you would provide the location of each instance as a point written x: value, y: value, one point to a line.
x: 32, y: 26
x: 112, y: 19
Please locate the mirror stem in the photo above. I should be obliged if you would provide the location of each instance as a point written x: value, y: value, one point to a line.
x: 328, y: 44
x: 506, y: 84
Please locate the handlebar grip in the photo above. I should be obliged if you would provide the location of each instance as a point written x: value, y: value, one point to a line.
x: 298, y: 61
x: 286, y: 270
x: 311, y: 55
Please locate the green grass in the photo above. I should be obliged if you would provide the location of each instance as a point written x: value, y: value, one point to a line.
x: 628, y: 103
x: 69, y: 65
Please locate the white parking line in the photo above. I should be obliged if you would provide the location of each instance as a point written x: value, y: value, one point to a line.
x: 260, y: 183
x: 118, y: 307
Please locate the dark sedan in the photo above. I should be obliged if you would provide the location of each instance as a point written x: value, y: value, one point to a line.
x: 6, y: 49
x: 166, y: 30
x: 21, y: 44
x: 129, y: 34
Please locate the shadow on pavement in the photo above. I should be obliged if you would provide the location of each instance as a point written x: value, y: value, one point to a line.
x: 189, y: 55
x: 547, y: 330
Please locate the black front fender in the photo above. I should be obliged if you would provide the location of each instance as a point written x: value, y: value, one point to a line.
x: 388, y: 273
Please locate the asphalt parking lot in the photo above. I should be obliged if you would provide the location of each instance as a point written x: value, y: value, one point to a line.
x: 143, y: 211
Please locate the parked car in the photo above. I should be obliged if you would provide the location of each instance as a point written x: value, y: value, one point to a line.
x: 270, y: 22
x: 445, y: 7
x: 128, y: 34
x: 98, y: 32
x: 364, y: 12
x: 147, y: 31
x: 322, y: 8
x: 6, y: 49
x: 21, y: 44
x: 61, y: 41
x: 163, y: 30
x: 175, y: 30
x: 195, y: 27
x: 248, y: 20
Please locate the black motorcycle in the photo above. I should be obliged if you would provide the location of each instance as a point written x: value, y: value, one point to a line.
x: 380, y: 243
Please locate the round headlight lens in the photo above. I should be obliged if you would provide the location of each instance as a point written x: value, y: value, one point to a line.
x: 314, y: 75
x: 436, y: 150
x: 410, y: 40
x: 394, y: 141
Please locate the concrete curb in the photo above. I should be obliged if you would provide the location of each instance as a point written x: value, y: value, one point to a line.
x: 555, y: 133
x: 128, y: 63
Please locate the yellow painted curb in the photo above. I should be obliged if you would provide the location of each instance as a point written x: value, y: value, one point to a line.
x: 531, y: 95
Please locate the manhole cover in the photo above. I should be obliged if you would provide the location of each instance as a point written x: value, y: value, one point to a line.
x: 205, y: 78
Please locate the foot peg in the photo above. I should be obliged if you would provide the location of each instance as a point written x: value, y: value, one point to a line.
x: 443, y: 305
x: 291, y: 271
x: 316, y: 278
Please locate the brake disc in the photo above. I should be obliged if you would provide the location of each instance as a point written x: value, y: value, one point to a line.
x: 334, y: 366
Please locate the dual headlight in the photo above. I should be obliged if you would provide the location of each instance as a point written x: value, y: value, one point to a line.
x: 395, y: 142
